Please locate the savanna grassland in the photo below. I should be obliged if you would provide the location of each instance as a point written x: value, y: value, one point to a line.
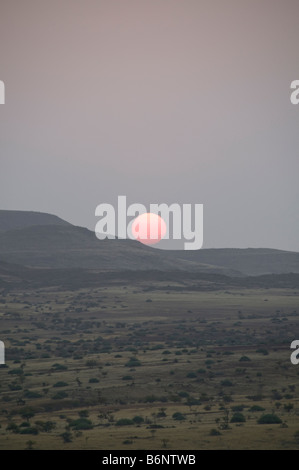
x: 146, y: 364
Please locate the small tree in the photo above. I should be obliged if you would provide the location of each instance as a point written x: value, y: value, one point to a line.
x: 288, y: 407
x: 225, y: 420
x: 66, y: 436
x: 27, y: 413
x: 165, y: 443
x: 30, y: 445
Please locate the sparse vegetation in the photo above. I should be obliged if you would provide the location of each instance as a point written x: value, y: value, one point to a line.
x: 270, y: 418
x: 80, y: 376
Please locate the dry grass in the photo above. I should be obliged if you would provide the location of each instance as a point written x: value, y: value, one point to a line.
x: 189, y: 343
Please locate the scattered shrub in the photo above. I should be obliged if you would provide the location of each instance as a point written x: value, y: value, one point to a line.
x: 138, y: 419
x: 93, y: 380
x: 124, y: 422
x: 60, y: 395
x: 81, y: 424
x: 59, y: 367
x: 226, y: 383
x: 30, y: 394
x: 29, y: 430
x: 178, y: 416
x: 238, y: 418
x: 191, y: 375
x: 133, y: 362
x: 255, y: 408
x: 238, y: 408
x: 60, y: 384
x: 244, y: 359
x: 269, y: 419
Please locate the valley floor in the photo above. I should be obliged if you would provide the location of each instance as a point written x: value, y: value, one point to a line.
x: 149, y: 365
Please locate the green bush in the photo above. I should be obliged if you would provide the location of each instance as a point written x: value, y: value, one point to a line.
x: 59, y: 367
x: 238, y: 418
x: 138, y: 419
x: 133, y: 362
x: 60, y: 384
x: 244, y: 359
x: 29, y: 430
x: 226, y: 383
x: 269, y: 419
x: 12, y: 427
x: 238, y: 408
x: 256, y: 408
x: 124, y: 422
x: 18, y: 371
x: 60, y: 395
x: 81, y: 424
x: 30, y: 394
x: 191, y: 375
x: 93, y: 380
x: 178, y: 416
x: 183, y: 394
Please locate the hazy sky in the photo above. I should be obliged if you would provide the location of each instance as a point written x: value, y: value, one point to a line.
x: 159, y: 100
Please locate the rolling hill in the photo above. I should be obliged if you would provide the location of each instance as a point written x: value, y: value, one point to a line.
x: 10, y: 220
x: 250, y: 261
x: 42, y: 240
x: 59, y: 246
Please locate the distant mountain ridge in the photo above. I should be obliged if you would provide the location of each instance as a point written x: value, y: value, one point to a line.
x: 10, y: 220
x: 59, y: 246
x: 250, y: 261
x: 42, y: 240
